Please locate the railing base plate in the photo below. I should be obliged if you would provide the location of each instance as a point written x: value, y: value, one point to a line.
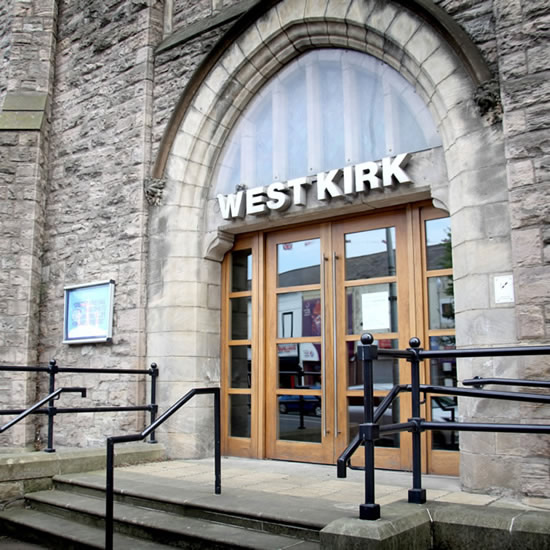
x: 369, y: 511
x: 417, y: 496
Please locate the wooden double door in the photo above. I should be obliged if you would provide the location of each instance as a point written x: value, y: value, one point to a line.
x: 292, y: 323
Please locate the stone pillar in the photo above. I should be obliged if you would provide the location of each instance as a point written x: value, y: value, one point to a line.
x: 24, y: 133
x: 523, y: 72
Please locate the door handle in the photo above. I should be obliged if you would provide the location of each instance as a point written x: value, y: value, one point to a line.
x: 323, y: 351
x: 334, y: 342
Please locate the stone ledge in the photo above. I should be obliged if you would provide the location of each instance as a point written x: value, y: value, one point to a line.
x: 32, y: 471
x: 21, y: 120
x: 440, y: 525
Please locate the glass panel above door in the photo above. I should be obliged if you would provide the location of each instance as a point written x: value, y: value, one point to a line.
x: 370, y: 254
x: 299, y: 263
x: 327, y: 109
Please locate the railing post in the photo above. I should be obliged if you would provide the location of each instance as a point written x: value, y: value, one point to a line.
x: 52, y: 370
x: 109, y: 495
x: 154, y: 406
x: 417, y: 495
x: 217, y: 443
x: 369, y: 431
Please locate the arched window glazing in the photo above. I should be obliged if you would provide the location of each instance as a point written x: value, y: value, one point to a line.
x: 327, y: 109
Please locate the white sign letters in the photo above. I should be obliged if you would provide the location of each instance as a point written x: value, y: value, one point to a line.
x: 333, y: 184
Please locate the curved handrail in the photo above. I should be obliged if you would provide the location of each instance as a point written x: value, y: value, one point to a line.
x: 30, y: 410
x: 111, y: 441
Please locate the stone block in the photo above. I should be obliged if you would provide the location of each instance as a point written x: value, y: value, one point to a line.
x: 455, y: 89
x: 21, y: 120
x: 359, y: 11
x: 423, y: 44
x: 381, y: 17
x: 317, y: 31
x: 21, y: 101
x: 489, y: 327
x: 10, y: 490
x: 467, y: 225
x: 250, y: 42
x: 532, y: 284
x: 531, y: 530
x: 337, y: 9
x: 357, y: 36
x: 483, y: 473
x: 496, y: 219
x: 337, y: 34
x: 472, y: 292
x: 402, y: 526
x: 464, y: 527
x: 527, y: 246
x: 268, y: 25
x: 403, y: 27
x: 315, y: 9
x: 291, y: 12
x: 520, y: 173
x: 482, y: 256
x: 528, y: 205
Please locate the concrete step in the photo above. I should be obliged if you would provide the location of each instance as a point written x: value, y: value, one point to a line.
x: 280, y: 514
x: 160, y: 526
x: 56, y: 532
x: 72, y: 516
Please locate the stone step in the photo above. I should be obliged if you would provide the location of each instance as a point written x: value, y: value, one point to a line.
x: 56, y: 532
x: 278, y: 513
x: 160, y: 526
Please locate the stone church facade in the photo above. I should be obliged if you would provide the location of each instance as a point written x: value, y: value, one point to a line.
x: 115, y: 117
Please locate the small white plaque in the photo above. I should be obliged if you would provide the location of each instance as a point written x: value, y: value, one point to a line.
x: 504, y: 289
x: 376, y: 311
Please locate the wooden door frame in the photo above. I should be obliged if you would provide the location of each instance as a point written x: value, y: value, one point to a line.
x: 274, y: 447
x: 411, y: 219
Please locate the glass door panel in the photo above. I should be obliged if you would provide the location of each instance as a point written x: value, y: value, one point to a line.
x: 295, y: 329
x: 371, y: 279
x: 440, y: 334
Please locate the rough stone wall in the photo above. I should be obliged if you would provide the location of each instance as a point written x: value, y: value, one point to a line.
x: 523, y: 42
x: 173, y: 69
x: 514, y: 37
x: 96, y: 210
x: 23, y: 181
x: 6, y: 9
x: 477, y: 19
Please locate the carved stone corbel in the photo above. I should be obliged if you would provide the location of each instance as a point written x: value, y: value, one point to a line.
x: 153, y: 188
x: 487, y: 99
x: 216, y: 244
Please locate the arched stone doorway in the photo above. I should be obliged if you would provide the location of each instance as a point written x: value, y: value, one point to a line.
x: 187, y: 237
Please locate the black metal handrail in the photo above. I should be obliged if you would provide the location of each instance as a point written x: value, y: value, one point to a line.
x: 370, y: 430
x: 111, y: 441
x: 53, y: 369
x: 33, y: 408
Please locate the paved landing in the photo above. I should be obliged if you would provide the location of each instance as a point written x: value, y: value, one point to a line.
x: 319, y: 482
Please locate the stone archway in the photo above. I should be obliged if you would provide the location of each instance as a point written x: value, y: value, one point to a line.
x: 183, y: 303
